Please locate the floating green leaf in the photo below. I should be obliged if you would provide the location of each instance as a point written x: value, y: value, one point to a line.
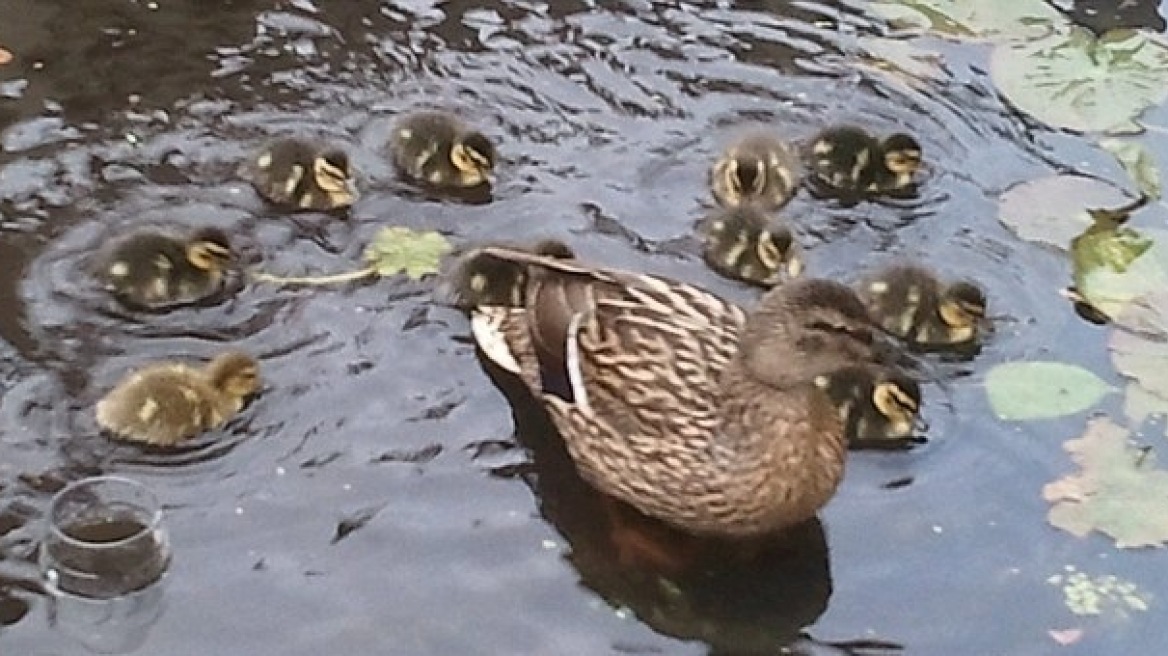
x: 972, y: 19
x: 1113, y: 266
x: 1086, y: 595
x: 1119, y: 490
x: 1056, y: 209
x: 1139, y: 343
x: 1139, y: 404
x: 1073, y: 80
x: 1139, y: 164
x: 1041, y: 390
x: 395, y: 249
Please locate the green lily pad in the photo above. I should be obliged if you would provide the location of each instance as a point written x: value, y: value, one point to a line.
x: 1113, y: 266
x: 1139, y: 343
x: 395, y: 249
x: 1074, y: 80
x: 972, y: 19
x: 1054, y: 210
x: 1119, y: 490
x: 1139, y: 164
x: 1088, y: 595
x: 1042, y: 390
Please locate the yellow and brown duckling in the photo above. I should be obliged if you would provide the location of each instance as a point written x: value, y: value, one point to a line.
x: 759, y: 170
x: 302, y: 174
x: 680, y: 403
x: 848, y: 162
x: 485, y: 281
x: 880, y: 406
x: 438, y: 149
x: 740, y: 243
x: 168, y: 402
x: 153, y: 269
x: 910, y: 302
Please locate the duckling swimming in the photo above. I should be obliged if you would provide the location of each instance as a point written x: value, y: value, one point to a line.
x: 438, y: 149
x: 168, y: 402
x: 738, y: 243
x: 303, y: 174
x: 487, y: 281
x: 913, y: 304
x: 758, y: 169
x: 848, y: 162
x: 153, y: 270
x: 879, y: 405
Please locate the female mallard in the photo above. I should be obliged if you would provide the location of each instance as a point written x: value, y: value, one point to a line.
x: 758, y: 170
x: 677, y: 402
x: 438, y: 149
x: 302, y: 174
x: 913, y: 304
x: 879, y: 405
x: 740, y: 243
x: 153, y: 269
x: 168, y: 402
x: 847, y: 161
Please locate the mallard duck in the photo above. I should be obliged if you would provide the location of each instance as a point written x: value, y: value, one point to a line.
x: 913, y: 304
x: 302, y: 174
x: 740, y: 244
x: 154, y: 269
x: 759, y: 170
x: 877, y: 404
x: 168, y: 402
x: 849, y: 162
x: 438, y: 149
x: 677, y: 402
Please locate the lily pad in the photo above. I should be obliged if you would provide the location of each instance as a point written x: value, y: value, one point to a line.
x: 1119, y: 490
x: 1114, y: 266
x: 1042, y: 390
x: 1139, y: 164
x: 1054, y: 210
x: 1139, y: 404
x: 1139, y: 343
x: 1077, y: 81
x: 973, y: 19
x: 395, y: 249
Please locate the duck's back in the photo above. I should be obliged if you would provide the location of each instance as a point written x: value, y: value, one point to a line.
x: 163, y: 405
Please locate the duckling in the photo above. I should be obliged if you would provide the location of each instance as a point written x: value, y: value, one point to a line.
x: 303, y: 174
x: 913, y: 304
x: 878, y: 405
x: 849, y: 162
x: 758, y: 169
x: 438, y: 149
x: 738, y: 243
x: 485, y: 281
x: 154, y: 270
x: 168, y: 402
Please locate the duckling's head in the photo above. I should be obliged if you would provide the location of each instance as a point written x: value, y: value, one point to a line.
x: 234, y: 373
x: 902, y: 157
x: 898, y: 400
x: 474, y: 156
x: 745, y: 175
x: 738, y: 241
x: 776, y: 246
x: 209, y: 250
x: 874, y: 402
x: 963, y: 305
x: 332, y: 173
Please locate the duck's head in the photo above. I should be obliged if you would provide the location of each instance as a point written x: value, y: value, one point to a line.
x: 902, y: 157
x: 209, y: 250
x: 234, y: 373
x: 474, y: 156
x: 333, y: 174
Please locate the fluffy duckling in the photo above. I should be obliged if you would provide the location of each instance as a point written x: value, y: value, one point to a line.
x: 168, y: 402
x: 738, y: 243
x: 486, y: 281
x: 303, y: 174
x: 438, y: 149
x: 849, y: 162
x: 913, y: 304
x: 758, y: 169
x: 879, y: 405
x: 153, y: 270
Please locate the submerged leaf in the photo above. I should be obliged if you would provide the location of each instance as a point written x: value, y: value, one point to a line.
x: 1139, y: 164
x: 1086, y: 595
x: 1056, y: 209
x: 1113, y: 266
x: 395, y: 249
x: 1139, y: 344
x: 1119, y: 490
x: 972, y: 19
x: 1041, y: 390
x: 1073, y: 80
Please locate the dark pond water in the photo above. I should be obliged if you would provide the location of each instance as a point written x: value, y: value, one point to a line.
x: 381, y: 496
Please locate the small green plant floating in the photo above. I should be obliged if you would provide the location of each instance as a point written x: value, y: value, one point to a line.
x: 394, y: 249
